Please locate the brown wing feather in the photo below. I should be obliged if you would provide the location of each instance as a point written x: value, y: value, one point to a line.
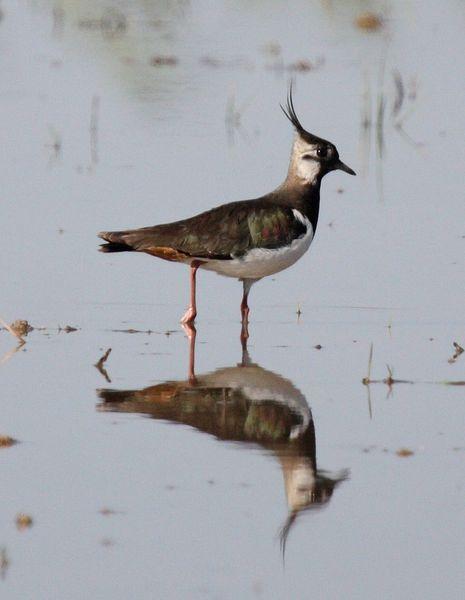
x: 220, y: 233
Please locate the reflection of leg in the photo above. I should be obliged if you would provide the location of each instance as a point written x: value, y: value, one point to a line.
x: 245, y: 310
x: 245, y: 353
x: 191, y: 312
x: 244, y: 333
x: 191, y: 333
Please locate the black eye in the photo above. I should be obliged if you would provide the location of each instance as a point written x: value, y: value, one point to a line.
x: 322, y: 152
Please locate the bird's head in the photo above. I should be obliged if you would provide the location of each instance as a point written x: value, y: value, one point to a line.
x: 312, y: 157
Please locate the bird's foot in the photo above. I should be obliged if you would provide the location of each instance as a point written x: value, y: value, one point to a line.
x: 189, y: 316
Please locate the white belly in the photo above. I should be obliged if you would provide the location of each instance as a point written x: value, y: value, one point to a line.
x: 261, y: 262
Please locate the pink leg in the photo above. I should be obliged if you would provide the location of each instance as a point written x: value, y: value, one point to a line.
x: 191, y: 333
x: 191, y: 312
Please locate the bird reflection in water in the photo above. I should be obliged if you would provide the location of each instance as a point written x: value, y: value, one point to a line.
x: 244, y: 404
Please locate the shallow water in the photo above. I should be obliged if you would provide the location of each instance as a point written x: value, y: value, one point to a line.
x: 291, y: 447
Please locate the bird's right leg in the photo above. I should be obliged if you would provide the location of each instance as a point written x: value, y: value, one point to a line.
x: 191, y: 312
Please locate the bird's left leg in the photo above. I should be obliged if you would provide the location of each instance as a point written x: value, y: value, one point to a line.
x: 191, y: 312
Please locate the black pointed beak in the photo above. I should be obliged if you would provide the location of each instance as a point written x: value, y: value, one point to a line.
x: 343, y: 167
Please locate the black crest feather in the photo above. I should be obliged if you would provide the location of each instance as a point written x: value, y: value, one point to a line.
x: 289, y: 111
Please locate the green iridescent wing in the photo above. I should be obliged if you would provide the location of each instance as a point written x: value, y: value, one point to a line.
x: 222, y: 233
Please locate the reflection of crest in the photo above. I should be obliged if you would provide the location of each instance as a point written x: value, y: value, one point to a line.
x: 244, y: 404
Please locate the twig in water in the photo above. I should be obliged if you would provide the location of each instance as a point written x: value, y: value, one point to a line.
x: 389, y: 380
x: 366, y: 380
x: 458, y: 351
x: 99, y: 365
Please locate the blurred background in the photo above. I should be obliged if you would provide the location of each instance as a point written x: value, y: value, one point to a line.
x: 125, y: 114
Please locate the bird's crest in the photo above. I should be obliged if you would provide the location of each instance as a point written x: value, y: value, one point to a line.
x: 290, y: 113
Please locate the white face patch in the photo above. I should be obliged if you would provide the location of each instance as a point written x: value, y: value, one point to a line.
x: 308, y: 169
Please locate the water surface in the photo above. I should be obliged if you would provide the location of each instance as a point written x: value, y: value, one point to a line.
x: 150, y: 483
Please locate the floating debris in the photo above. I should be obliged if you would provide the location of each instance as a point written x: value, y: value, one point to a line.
x: 107, y: 542
x: 21, y: 327
x: 67, y: 329
x: 404, y: 452
x: 6, y: 441
x: 106, y: 512
x: 318, y: 347
x: 369, y: 21
x: 131, y: 330
x: 23, y: 521
x: 163, y: 61
x: 18, y: 328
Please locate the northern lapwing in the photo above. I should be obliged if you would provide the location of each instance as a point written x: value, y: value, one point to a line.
x: 249, y: 239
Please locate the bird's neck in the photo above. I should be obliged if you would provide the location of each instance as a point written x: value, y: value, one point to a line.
x: 303, y: 197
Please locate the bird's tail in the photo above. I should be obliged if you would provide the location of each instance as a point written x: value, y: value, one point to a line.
x: 115, y: 243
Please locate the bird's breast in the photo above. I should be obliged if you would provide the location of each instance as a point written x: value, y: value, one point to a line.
x: 261, y: 262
